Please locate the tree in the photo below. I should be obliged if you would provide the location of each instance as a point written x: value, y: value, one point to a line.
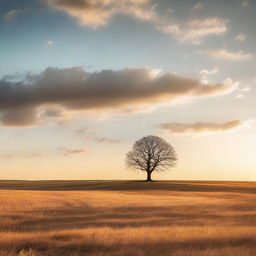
x: 151, y: 153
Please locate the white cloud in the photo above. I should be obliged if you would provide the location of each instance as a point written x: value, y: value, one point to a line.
x: 240, y: 37
x: 205, y: 73
x: 194, y: 31
x: 49, y: 42
x: 222, y: 53
x: 239, y: 96
x: 232, y: 83
x: 245, y: 89
x: 209, y: 72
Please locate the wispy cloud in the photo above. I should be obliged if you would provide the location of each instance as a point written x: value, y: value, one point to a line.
x: 68, y: 151
x: 49, y: 42
x: 240, y: 96
x: 245, y: 3
x: 200, y: 127
x: 194, y: 31
x: 10, y: 156
x: 105, y: 140
x: 14, y: 12
x: 29, y: 155
x: 74, y: 89
x: 197, y: 6
x: 98, y: 13
x: 89, y: 133
x: 240, y: 37
x: 205, y: 73
x: 209, y: 72
x: 85, y: 131
x: 33, y: 155
x: 226, y: 54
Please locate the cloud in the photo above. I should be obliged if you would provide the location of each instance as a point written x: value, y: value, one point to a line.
x: 74, y: 89
x: 68, y: 151
x: 54, y: 112
x: 240, y: 37
x: 226, y: 54
x: 194, y: 31
x: 169, y: 10
x: 7, y: 156
x: 205, y: 73
x: 200, y: 127
x: 209, y: 72
x: 85, y: 131
x: 33, y: 155
x: 88, y: 133
x: 245, y: 89
x: 96, y: 13
x: 30, y: 155
x: 245, y: 3
x: 14, y: 12
x: 49, y: 42
x: 25, y: 116
x: 239, y: 96
x: 105, y: 140
x: 197, y: 6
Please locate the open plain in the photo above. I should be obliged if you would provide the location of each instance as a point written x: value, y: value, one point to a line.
x: 127, y: 218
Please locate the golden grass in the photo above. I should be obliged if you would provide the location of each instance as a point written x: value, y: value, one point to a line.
x: 127, y: 218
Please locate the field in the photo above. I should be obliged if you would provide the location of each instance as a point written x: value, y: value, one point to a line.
x: 127, y: 218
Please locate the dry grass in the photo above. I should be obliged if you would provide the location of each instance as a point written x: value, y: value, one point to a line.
x: 127, y: 218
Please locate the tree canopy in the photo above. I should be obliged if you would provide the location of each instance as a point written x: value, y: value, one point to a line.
x: 151, y: 153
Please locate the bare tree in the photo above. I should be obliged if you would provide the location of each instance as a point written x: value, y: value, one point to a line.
x: 151, y: 153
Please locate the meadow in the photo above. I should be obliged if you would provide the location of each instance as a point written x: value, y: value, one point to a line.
x: 127, y: 218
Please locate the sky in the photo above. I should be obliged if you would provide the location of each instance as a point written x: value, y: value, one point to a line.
x: 82, y: 80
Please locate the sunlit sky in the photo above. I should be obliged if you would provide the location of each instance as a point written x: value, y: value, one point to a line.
x: 81, y: 80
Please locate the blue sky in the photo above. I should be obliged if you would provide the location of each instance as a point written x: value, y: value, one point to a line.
x: 204, y: 43
x: 123, y: 42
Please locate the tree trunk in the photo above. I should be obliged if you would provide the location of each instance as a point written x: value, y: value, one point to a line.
x: 149, y: 176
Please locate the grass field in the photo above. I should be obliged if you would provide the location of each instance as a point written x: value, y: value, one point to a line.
x: 127, y: 218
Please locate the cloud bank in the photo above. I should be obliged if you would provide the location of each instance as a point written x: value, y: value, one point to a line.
x: 55, y: 91
x: 200, y: 127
